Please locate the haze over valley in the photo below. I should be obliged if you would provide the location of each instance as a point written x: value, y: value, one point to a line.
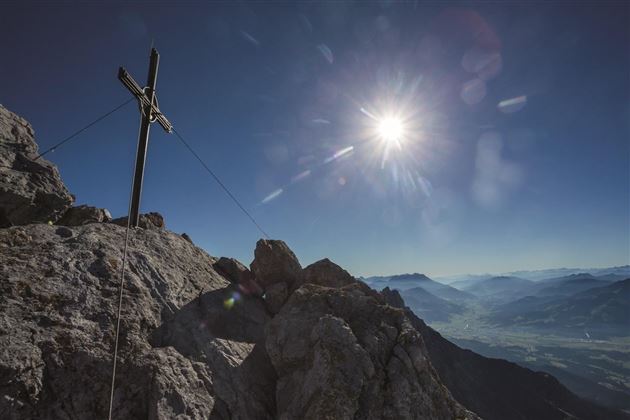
x: 572, y: 323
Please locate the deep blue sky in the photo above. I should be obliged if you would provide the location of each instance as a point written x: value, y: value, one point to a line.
x: 267, y: 92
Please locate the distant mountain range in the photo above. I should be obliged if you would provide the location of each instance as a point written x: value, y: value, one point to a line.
x: 501, y: 288
x: 570, y: 285
x: 429, y: 299
x: 517, y: 301
x: 616, y: 273
x: 604, y: 310
x: 506, y: 288
x: 404, y: 282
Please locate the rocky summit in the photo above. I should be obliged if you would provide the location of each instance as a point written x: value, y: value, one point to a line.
x: 204, y: 337
x: 30, y: 188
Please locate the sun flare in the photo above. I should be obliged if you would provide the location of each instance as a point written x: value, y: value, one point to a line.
x: 390, y: 129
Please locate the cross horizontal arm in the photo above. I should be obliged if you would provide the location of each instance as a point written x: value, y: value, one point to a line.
x: 138, y: 92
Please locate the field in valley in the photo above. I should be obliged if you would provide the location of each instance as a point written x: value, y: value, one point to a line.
x: 595, y: 368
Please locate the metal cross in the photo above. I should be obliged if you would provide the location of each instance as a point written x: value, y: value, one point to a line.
x: 150, y: 113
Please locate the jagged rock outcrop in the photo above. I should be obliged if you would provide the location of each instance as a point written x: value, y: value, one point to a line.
x: 276, y: 270
x: 342, y: 354
x: 31, y: 191
x: 81, y: 215
x: 393, y: 298
x: 274, y: 262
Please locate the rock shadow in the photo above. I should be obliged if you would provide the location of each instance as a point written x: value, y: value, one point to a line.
x: 225, y: 330
x: 223, y: 313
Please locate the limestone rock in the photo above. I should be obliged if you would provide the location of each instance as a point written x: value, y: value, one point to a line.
x: 152, y: 220
x: 275, y: 296
x: 237, y: 273
x: 232, y: 269
x: 392, y: 297
x: 182, y: 349
x: 80, y: 215
x: 327, y: 273
x: 274, y: 262
x: 64, y: 232
x: 341, y: 354
x: 31, y: 191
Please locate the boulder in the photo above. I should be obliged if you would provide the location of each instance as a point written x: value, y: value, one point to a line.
x: 31, y: 190
x: 274, y: 262
x: 152, y: 220
x: 234, y: 271
x: 81, y: 215
x: 327, y: 273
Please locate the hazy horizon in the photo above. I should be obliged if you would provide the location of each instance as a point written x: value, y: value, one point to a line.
x: 488, y: 273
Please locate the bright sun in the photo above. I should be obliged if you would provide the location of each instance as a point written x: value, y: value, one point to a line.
x: 390, y: 129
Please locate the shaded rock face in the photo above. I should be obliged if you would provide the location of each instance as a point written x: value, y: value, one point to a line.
x: 274, y: 262
x: 341, y: 354
x: 237, y: 273
x: 81, y: 215
x: 277, y: 271
x: 393, y: 298
x: 31, y: 191
x: 233, y: 270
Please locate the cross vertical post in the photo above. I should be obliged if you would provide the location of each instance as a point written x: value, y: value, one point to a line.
x: 150, y: 112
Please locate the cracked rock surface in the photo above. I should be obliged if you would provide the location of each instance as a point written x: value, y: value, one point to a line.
x: 31, y: 191
x: 343, y: 354
x: 182, y: 352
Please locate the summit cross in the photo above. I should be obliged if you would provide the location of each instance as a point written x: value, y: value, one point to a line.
x: 150, y: 113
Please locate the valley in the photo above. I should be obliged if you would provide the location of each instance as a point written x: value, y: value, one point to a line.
x: 597, y: 369
x: 575, y: 326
